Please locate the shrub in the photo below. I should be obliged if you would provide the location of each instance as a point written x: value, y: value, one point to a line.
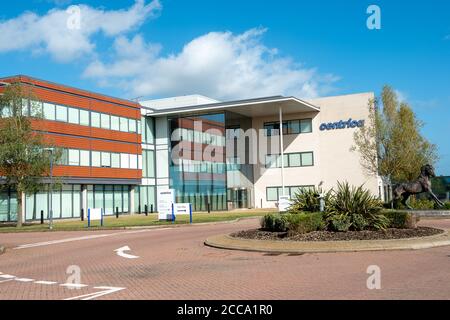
x: 401, y: 219
x: 307, y: 199
x: 274, y: 222
x: 446, y: 206
x: 379, y: 222
x: 304, y: 223
x: 421, y: 204
x: 359, y: 222
x: 340, y: 223
x: 350, y: 201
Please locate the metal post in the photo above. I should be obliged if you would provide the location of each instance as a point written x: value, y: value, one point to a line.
x: 139, y: 209
x: 82, y: 214
x: 151, y: 208
x: 117, y: 212
x: 51, y: 190
x: 190, y: 213
x: 282, y: 151
x: 146, y: 210
x: 42, y: 216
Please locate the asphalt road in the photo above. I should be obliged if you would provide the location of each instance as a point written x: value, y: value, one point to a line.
x: 174, y: 264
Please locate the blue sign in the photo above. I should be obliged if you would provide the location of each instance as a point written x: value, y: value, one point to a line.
x: 342, y: 125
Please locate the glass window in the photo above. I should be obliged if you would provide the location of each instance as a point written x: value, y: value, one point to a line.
x: 306, y: 125
x: 96, y: 159
x: 293, y: 127
x: 115, y: 123
x: 74, y: 157
x: 132, y: 125
x: 85, y: 158
x: 98, y: 196
x: 56, y: 204
x: 106, y: 159
x: 138, y: 124
x: 307, y: 159
x: 124, y: 161
x: 66, y: 203
x: 150, y: 162
x: 109, y: 200
x: 271, y: 161
x: 74, y: 116
x: 61, y: 113
x: 95, y: 119
x: 293, y: 191
x: 76, y: 200
x: 294, y: 160
x: 105, y: 121
x: 272, y: 194
x: 149, y: 136
x: 36, y: 108
x: 115, y: 160
x: 49, y: 111
x: 285, y: 162
x: 64, y: 160
x: 123, y: 124
x: 84, y: 117
x: 133, y: 161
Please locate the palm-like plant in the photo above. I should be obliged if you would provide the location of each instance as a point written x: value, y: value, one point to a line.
x: 355, y: 203
x: 307, y: 200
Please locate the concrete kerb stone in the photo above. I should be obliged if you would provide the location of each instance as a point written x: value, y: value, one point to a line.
x: 270, y: 246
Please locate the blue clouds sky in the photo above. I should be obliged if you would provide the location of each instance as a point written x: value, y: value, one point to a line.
x: 237, y: 49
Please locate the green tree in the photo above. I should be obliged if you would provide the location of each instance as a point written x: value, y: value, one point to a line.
x: 24, y: 160
x: 391, y: 144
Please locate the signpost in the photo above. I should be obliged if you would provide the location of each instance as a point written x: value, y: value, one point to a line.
x: 182, y: 209
x: 95, y: 214
x: 284, y: 202
x: 166, y: 199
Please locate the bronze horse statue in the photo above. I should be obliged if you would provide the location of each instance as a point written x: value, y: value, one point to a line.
x: 421, y: 185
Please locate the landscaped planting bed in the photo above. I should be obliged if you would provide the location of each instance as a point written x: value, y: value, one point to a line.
x: 259, y: 234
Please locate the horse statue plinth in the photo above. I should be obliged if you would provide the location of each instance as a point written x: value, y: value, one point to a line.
x: 422, y: 184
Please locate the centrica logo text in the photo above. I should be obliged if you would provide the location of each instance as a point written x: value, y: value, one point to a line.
x: 342, y: 124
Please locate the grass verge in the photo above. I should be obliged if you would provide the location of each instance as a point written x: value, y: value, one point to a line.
x: 132, y: 221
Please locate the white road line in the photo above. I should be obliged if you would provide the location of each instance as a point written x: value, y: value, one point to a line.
x: 97, y: 236
x: 46, y: 282
x: 90, y: 296
x: 7, y: 276
x: 6, y: 280
x: 47, y: 243
x: 24, y: 280
x: 73, y: 285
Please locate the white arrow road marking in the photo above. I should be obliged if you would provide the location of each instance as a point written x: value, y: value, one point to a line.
x: 90, y: 296
x: 120, y: 252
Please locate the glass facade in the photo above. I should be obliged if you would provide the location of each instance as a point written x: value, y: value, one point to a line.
x: 197, y: 164
x: 144, y: 196
x: 109, y: 197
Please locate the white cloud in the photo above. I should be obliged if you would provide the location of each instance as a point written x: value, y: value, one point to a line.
x: 50, y: 33
x: 221, y: 65
x: 401, y: 96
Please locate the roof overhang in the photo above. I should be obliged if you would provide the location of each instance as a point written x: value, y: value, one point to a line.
x: 262, y: 107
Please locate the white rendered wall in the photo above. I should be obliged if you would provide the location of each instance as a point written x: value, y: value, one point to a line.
x: 333, y: 160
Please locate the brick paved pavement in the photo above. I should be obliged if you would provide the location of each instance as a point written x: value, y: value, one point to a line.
x: 174, y: 264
